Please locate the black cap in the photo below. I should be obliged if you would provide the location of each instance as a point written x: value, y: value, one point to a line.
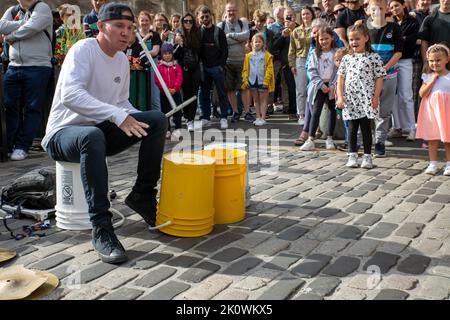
x: 113, y: 11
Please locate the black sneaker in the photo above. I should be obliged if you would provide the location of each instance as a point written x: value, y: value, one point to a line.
x: 380, y: 150
x: 249, y: 117
x: 107, y: 245
x: 235, y: 117
x: 144, y: 205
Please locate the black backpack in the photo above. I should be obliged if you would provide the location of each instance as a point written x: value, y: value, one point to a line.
x: 34, y: 190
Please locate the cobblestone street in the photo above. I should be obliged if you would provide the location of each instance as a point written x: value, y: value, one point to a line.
x: 315, y: 230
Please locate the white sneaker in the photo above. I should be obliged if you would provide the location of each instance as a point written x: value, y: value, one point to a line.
x: 308, y: 145
x: 301, y: 121
x: 257, y: 121
x: 329, y: 144
x: 18, y: 155
x: 447, y: 170
x: 190, y: 126
x: 176, y: 134
x: 206, y: 123
x: 352, y: 160
x: 432, y: 169
x: 411, y: 136
x: 388, y: 144
x: 367, y: 161
x: 223, y: 124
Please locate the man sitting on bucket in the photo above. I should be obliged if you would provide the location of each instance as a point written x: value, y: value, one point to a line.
x: 91, y: 118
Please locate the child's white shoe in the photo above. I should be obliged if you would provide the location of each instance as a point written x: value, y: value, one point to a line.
x: 352, y: 161
x: 329, y: 144
x: 367, y: 161
x: 432, y: 169
x: 308, y: 145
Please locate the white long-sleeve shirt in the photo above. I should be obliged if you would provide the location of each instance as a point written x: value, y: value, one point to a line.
x: 92, y: 88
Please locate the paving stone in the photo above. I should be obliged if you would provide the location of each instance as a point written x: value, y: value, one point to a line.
x: 426, y: 192
x: 333, y: 247
x: 123, y: 294
x: 308, y: 296
x: 322, y: 286
x: 282, y: 261
x: 52, y: 239
x: 303, y: 246
x: 365, y: 281
x: 324, y: 231
x: 352, y: 232
x: 255, y: 222
x: 49, y: 250
x: 432, y: 185
x: 230, y: 294
x: 395, y: 244
x: 331, y: 195
x: 154, y: 277
x: 87, y: 292
x: 441, y: 269
x: 242, y: 266
x: 251, y: 240
x: 218, y: 242
x: 229, y: 254
x: 283, y: 289
x: 183, y: 261
x: 381, y: 230
x: 208, y: 289
x: 414, y: 264
x: 348, y: 294
x: 344, y: 178
x: 311, y: 265
x: 271, y: 247
x: 152, y: 260
x: 274, y: 212
x: 417, y: 199
x: 316, y: 203
x: 327, y: 212
x: 51, y: 262
x: 257, y: 280
x: 117, y: 278
x: 395, y: 217
x: 168, y: 291
x: 199, y: 272
x: 400, y: 282
x: 428, y: 246
x: 382, y: 260
x: 356, y: 193
x: 363, y: 247
x: 359, y: 207
x: 184, y: 244
x: 342, y: 267
x: 410, y: 230
x: 95, y: 271
x: 278, y: 225
x: 389, y: 186
x: 434, y: 288
x: 369, y: 219
x: 440, y: 198
x: 421, y: 216
x: 311, y: 222
x: 343, y: 189
x: 368, y: 187
x: 293, y: 233
x: 285, y: 196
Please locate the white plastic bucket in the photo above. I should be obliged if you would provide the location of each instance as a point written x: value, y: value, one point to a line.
x: 240, y: 146
x: 72, y: 211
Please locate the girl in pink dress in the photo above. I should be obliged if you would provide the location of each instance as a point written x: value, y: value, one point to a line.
x: 433, y: 123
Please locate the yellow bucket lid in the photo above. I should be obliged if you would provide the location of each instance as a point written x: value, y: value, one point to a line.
x: 190, y: 159
x: 226, y: 156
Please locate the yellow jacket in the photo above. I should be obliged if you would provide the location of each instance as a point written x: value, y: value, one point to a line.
x: 269, y: 78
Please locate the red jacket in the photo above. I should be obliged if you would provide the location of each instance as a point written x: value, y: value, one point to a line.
x: 172, y: 74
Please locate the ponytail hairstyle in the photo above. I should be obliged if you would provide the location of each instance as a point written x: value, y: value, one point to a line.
x: 438, y: 47
x: 328, y: 31
x: 362, y: 29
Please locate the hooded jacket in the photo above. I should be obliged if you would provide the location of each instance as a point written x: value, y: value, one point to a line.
x: 30, y: 45
x: 171, y: 73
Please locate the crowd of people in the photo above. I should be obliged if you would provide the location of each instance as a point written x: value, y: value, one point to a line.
x: 284, y: 61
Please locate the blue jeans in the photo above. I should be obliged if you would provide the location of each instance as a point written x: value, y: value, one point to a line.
x: 214, y: 75
x: 25, y: 90
x: 156, y: 100
x: 89, y: 146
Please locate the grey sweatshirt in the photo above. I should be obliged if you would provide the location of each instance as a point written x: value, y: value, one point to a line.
x: 31, y: 46
x: 236, y: 40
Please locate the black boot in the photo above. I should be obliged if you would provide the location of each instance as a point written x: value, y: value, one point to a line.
x: 107, y: 245
x: 144, y: 205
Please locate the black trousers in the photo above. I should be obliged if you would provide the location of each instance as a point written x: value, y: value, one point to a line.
x: 191, y: 83
x: 290, y: 82
x: 166, y: 107
x: 319, y: 101
x: 366, y: 130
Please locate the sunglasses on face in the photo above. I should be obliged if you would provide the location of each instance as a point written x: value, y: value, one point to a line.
x: 188, y: 21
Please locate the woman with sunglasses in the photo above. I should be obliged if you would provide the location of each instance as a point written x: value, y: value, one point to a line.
x: 187, y: 47
x: 354, y: 12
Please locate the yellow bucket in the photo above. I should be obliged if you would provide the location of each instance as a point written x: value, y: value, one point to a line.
x: 186, y: 205
x: 229, y: 185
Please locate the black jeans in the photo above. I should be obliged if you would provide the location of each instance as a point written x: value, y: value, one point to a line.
x: 290, y: 82
x: 319, y: 101
x: 166, y: 107
x: 366, y: 130
x: 89, y: 146
x: 191, y: 83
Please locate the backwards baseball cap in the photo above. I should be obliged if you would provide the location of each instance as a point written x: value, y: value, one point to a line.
x: 114, y: 11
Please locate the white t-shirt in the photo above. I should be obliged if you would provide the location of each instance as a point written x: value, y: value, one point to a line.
x: 442, y: 84
x: 92, y: 88
x: 326, y: 65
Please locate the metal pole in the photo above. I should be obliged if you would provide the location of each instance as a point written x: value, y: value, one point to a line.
x: 184, y: 6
